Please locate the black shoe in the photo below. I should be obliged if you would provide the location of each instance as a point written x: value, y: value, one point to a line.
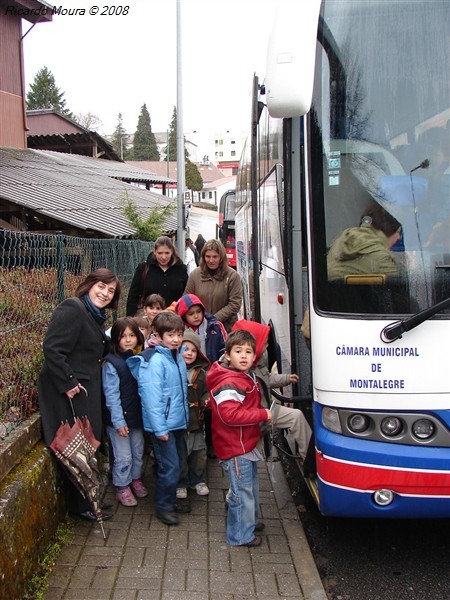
x: 182, y: 507
x: 260, y: 526
x: 167, y: 518
x: 90, y: 516
x: 106, y: 505
x: 256, y: 541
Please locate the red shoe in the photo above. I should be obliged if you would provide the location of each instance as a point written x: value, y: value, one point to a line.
x: 139, y: 488
x: 126, y: 497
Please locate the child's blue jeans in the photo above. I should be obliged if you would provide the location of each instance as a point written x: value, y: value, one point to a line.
x: 128, y: 456
x: 169, y: 457
x: 243, y: 501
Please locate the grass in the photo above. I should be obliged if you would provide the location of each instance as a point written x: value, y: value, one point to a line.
x: 39, y: 582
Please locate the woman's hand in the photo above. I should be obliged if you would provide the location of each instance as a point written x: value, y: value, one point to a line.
x: 162, y: 438
x: 73, y: 392
x: 269, y: 414
x: 294, y: 378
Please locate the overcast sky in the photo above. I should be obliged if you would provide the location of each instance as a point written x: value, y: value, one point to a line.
x: 114, y: 63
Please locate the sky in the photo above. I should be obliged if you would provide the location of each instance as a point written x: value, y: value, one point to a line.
x: 106, y: 64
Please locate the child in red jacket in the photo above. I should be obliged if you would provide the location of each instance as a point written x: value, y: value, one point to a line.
x: 236, y: 414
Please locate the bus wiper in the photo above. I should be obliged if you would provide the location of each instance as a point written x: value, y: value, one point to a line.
x: 394, y: 331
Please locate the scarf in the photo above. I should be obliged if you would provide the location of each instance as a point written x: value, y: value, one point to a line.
x: 99, y: 314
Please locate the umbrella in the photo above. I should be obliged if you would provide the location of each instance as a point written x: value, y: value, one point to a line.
x: 75, y: 446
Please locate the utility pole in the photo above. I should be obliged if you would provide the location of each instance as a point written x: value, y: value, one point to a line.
x: 180, y: 144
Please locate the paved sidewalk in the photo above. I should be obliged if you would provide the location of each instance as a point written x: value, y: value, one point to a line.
x: 142, y: 559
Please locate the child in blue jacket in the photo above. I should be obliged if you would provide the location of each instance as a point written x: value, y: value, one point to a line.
x: 162, y: 383
x: 123, y: 414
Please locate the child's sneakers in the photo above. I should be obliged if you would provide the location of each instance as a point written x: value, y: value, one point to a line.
x: 125, y: 497
x: 202, y: 489
x: 181, y: 493
x: 139, y: 488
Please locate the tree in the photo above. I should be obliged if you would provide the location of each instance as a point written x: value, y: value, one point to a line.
x: 152, y: 227
x: 120, y: 138
x: 171, y: 148
x: 144, y: 144
x: 88, y: 121
x: 194, y: 180
x: 44, y: 93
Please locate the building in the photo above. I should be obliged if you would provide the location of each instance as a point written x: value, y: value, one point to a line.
x: 13, y: 118
x: 50, y: 130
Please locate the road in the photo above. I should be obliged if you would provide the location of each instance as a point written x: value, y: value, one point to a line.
x: 372, y: 559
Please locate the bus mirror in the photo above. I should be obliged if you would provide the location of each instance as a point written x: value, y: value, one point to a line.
x: 291, y: 58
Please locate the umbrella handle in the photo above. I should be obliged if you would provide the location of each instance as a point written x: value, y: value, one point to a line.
x: 71, y: 403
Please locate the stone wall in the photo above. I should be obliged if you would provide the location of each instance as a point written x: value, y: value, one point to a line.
x: 32, y: 505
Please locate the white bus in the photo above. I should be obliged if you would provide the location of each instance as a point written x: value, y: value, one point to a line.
x: 353, y: 120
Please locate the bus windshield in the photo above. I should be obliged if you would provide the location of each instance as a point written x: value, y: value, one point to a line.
x: 379, y: 132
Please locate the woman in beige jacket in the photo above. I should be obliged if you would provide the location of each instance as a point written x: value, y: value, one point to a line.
x: 216, y: 284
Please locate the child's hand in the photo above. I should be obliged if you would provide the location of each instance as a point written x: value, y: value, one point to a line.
x: 269, y: 414
x: 123, y: 431
x: 294, y: 378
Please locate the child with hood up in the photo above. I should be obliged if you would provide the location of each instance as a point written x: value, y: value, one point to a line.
x: 236, y: 406
x: 212, y: 336
x: 211, y: 332
x: 193, y: 473
x: 284, y: 417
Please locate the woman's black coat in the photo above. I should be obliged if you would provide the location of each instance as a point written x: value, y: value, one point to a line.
x: 73, y: 349
x: 169, y: 284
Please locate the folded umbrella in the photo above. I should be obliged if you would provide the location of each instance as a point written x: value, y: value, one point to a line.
x: 75, y: 446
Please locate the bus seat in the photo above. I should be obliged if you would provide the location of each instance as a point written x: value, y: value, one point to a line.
x: 365, y: 279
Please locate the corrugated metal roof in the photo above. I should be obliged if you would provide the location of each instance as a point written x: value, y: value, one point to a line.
x: 110, y: 168
x: 76, y: 190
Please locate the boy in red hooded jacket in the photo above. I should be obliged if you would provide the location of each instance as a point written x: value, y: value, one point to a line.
x: 284, y: 417
x: 236, y: 414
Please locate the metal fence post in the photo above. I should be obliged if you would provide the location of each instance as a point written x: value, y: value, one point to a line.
x: 60, y: 267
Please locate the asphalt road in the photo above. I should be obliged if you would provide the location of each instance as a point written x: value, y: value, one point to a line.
x: 371, y: 559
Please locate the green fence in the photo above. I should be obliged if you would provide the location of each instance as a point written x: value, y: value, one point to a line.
x: 37, y: 272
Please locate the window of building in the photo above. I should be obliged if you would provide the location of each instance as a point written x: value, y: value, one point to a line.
x: 233, y: 153
x: 210, y: 195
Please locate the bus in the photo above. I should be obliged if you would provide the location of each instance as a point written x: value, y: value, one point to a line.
x: 226, y: 225
x: 353, y: 117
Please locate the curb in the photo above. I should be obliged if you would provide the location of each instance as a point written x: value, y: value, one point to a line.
x: 302, y: 557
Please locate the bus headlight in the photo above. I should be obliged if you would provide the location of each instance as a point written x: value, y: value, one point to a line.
x: 391, y: 426
x: 330, y: 419
x: 423, y: 429
x: 383, y: 497
x: 358, y: 423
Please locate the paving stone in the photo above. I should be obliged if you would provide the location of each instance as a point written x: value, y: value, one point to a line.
x: 197, y: 580
x: 133, y: 557
x: 174, y: 579
x: 105, y: 578
x: 224, y: 582
x: 143, y: 559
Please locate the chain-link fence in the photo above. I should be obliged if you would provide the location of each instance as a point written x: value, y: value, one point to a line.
x: 37, y: 272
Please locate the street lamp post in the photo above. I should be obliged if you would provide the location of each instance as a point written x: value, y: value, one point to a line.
x: 180, y: 143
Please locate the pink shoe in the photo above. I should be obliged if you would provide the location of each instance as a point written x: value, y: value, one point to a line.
x: 126, y: 497
x: 139, y: 488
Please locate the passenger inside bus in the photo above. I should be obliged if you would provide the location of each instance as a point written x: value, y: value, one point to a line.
x: 366, y: 249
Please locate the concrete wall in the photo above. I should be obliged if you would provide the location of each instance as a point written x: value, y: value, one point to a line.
x: 32, y: 505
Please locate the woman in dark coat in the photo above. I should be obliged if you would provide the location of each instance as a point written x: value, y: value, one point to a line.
x: 163, y: 273
x: 74, y: 346
x: 199, y: 243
